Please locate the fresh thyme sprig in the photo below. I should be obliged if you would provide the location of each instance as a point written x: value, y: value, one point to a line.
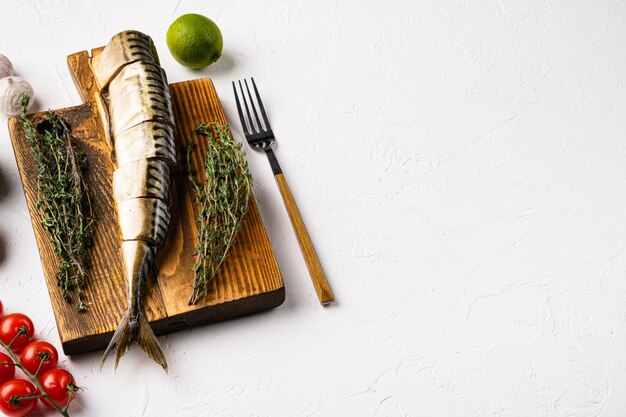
x: 222, y: 195
x: 63, y: 200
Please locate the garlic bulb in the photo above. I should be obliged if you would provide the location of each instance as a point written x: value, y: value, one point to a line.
x: 11, y: 89
x: 6, y: 68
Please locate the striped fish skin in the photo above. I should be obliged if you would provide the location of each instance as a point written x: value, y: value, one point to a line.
x: 141, y: 122
x: 124, y: 48
x: 144, y: 219
x: 139, y: 93
x: 144, y: 178
x: 147, y: 140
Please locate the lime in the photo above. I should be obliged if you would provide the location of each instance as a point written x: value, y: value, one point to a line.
x: 195, y: 41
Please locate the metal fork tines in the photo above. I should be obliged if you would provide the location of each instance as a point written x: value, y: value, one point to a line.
x: 260, y: 136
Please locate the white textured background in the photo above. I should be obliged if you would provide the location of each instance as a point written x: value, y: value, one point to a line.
x: 462, y: 170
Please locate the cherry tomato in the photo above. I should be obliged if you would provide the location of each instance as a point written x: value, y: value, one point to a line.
x: 32, y: 357
x: 10, y: 327
x: 10, y: 404
x: 59, y: 385
x: 1, y: 309
x: 6, y: 371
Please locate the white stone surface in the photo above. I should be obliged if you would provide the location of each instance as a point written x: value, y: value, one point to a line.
x: 462, y: 169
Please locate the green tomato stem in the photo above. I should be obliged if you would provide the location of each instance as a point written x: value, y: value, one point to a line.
x: 20, y: 333
x: 33, y: 378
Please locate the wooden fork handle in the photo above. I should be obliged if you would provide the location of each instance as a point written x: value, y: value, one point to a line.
x: 322, y: 287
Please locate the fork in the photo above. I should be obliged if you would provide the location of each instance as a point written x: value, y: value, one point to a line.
x: 261, y: 137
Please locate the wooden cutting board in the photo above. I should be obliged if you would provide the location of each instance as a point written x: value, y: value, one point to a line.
x: 249, y: 280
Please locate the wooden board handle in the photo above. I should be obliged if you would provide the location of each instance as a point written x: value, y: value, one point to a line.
x: 322, y: 287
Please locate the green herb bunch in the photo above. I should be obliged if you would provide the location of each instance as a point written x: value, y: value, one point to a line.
x: 63, y: 200
x: 223, y: 196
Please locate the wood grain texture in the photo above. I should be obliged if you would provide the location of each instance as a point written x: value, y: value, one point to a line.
x: 320, y: 282
x: 249, y: 281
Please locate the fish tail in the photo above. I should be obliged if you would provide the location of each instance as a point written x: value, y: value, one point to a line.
x: 134, y: 330
x: 149, y: 343
x: 134, y: 326
x: 120, y: 342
